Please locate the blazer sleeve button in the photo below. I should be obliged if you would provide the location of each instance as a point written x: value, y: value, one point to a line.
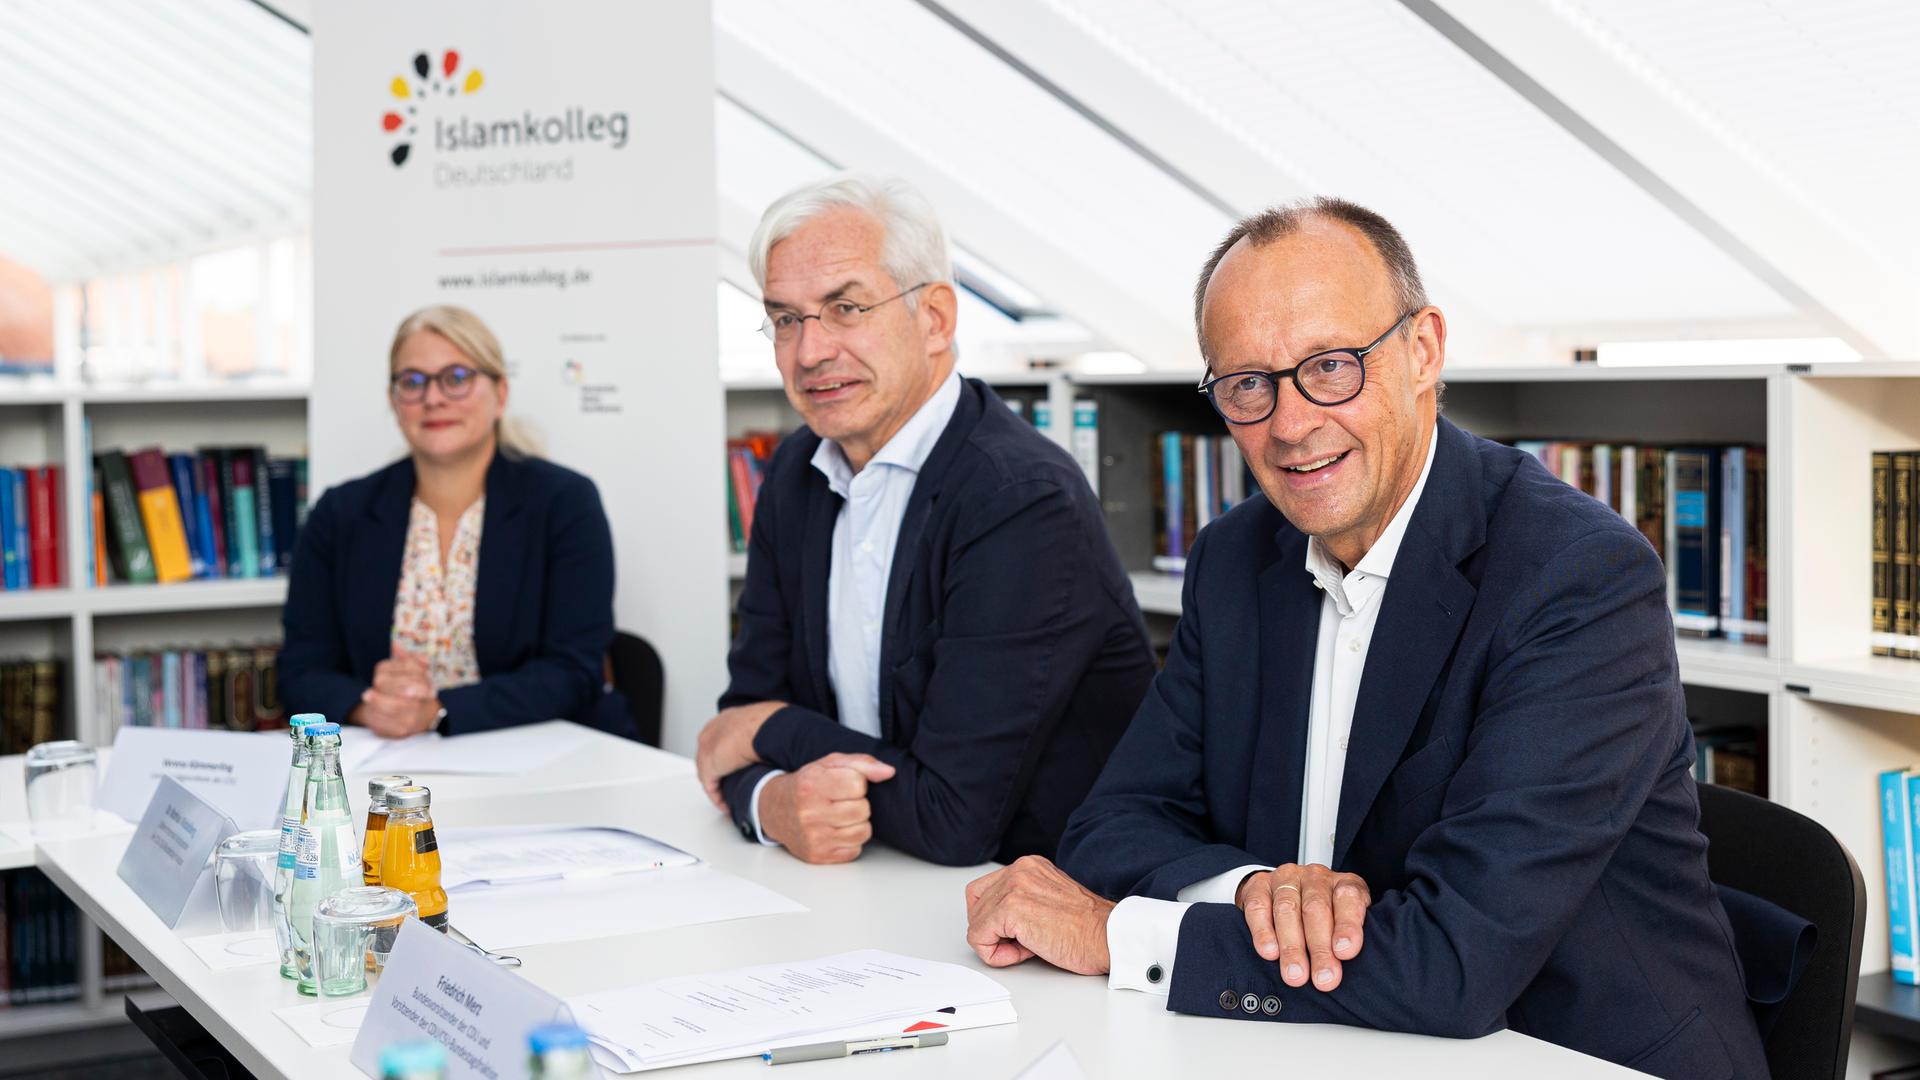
x: 1250, y: 1004
x: 1270, y: 1005
x: 1229, y: 1000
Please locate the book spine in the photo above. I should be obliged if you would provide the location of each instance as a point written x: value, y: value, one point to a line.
x: 1733, y: 544
x: 1899, y: 788
x: 22, y: 530
x: 1756, y: 559
x: 739, y: 465
x: 213, y: 513
x: 1175, y: 473
x: 1692, y: 494
x: 9, y: 555
x: 98, y: 506
x: 246, y: 518
x: 180, y: 471
x: 160, y: 512
x: 1902, y: 511
x: 44, y: 522
x: 265, y: 541
x: 126, y: 536
x: 1086, y: 439
x: 281, y: 480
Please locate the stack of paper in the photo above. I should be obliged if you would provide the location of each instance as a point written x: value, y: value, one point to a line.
x: 751, y: 1010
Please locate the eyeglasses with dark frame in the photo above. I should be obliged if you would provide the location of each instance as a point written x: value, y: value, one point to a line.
x: 784, y: 326
x: 409, y: 385
x: 1329, y: 378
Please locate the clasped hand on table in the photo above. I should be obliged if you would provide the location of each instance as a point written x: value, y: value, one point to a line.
x: 402, y: 700
x: 818, y: 812
x: 1302, y: 917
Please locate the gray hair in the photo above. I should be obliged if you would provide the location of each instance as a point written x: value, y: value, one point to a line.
x: 1273, y: 224
x: 915, y: 246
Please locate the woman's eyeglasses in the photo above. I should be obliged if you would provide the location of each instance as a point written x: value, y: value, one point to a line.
x: 456, y: 381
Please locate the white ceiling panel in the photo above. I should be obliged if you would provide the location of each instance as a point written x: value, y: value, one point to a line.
x: 1361, y: 99
x: 1821, y: 96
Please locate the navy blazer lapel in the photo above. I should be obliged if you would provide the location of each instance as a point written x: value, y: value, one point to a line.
x: 896, y: 639
x: 816, y: 562
x: 1284, y: 652
x: 1421, y: 616
x: 377, y: 553
x: 503, y: 550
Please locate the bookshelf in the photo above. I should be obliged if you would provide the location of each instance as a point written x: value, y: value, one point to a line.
x: 47, y: 423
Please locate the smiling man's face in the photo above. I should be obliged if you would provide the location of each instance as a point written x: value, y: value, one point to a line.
x: 1340, y: 472
x: 855, y: 386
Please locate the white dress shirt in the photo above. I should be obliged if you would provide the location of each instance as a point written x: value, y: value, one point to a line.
x: 874, y: 502
x: 1143, y: 933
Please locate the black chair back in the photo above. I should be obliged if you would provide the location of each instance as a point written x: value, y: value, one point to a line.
x: 1788, y: 859
x: 638, y: 674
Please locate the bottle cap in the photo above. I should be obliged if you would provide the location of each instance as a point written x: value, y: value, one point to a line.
x: 315, y: 731
x: 301, y: 720
x: 548, y: 1037
x: 378, y: 786
x: 407, y: 1059
x: 410, y: 797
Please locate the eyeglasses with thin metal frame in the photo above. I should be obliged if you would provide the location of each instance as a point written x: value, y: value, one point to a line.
x: 409, y: 385
x: 840, y: 314
x: 1329, y: 378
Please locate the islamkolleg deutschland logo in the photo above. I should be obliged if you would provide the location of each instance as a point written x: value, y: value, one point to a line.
x: 412, y: 93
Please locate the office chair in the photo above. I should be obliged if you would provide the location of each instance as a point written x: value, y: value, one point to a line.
x: 638, y: 674
x: 1768, y: 851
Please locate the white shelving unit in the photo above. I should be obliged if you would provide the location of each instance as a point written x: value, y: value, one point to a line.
x: 47, y: 424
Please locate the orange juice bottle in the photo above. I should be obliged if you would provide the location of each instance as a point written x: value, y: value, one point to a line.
x: 411, y: 862
x: 373, y: 844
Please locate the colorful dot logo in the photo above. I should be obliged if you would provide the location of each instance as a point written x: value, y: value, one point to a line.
x: 573, y: 373
x: 424, y: 86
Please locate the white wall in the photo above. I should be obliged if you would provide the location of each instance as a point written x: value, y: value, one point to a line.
x: 587, y: 245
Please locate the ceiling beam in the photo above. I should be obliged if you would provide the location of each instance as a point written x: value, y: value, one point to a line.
x: 1215, y: 162
x: 1849, y: 291
x: 1073, y: 288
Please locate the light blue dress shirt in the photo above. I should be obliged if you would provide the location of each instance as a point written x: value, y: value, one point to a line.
x: 874, y: 504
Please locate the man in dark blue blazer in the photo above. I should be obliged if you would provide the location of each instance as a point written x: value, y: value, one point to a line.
x: 1419, y: 758
x: 937, y: 646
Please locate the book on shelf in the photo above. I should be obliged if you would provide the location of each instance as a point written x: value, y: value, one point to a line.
x: 31, y: 527
x: 1894, y: 617
x: 40, y: 928
x: 1086, y: 440
x: 1196, y: 478
x: 210, y: 688
x: 747, y: 459
x: 1896, y: 833
x: 220, y: 512
x: 1731, y: 757
x: 30, y: 703
x: 1704, y: 511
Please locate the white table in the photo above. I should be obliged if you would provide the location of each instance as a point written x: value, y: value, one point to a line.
x: 885, y: 900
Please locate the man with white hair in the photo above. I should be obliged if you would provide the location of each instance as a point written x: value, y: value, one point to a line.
x: 937, y: 645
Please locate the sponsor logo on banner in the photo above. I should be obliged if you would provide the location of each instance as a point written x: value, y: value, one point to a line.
x: 428, y: 112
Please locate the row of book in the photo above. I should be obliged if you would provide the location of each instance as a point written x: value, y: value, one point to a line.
x: 30, y: 702
x: 1896, y: 554
x: 1704, y: 510
x: 1083, y: 442
x: 747, y: 459
x: 232, y: 688
x: 222, y: 512
x: 1732, y: 757
x: 1196, y: 478
x: 39, y: 941
x: 30, y: 527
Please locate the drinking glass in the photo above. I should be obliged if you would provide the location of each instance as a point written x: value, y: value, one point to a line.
x: 353, y: 931
x: 243, y: 877
x: 60, y: 779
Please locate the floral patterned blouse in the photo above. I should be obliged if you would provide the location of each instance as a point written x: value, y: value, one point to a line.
x: 433, y: 609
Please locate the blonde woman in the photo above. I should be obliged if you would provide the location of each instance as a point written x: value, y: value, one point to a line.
x: 467, y: 586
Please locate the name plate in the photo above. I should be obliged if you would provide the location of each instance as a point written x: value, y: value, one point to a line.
x: 436, y: 989
x: 170, y: 848
x: 242, y: 773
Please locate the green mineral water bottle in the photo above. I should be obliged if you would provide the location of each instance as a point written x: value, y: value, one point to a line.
x: 326, y: 851
x: 292, y: 813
